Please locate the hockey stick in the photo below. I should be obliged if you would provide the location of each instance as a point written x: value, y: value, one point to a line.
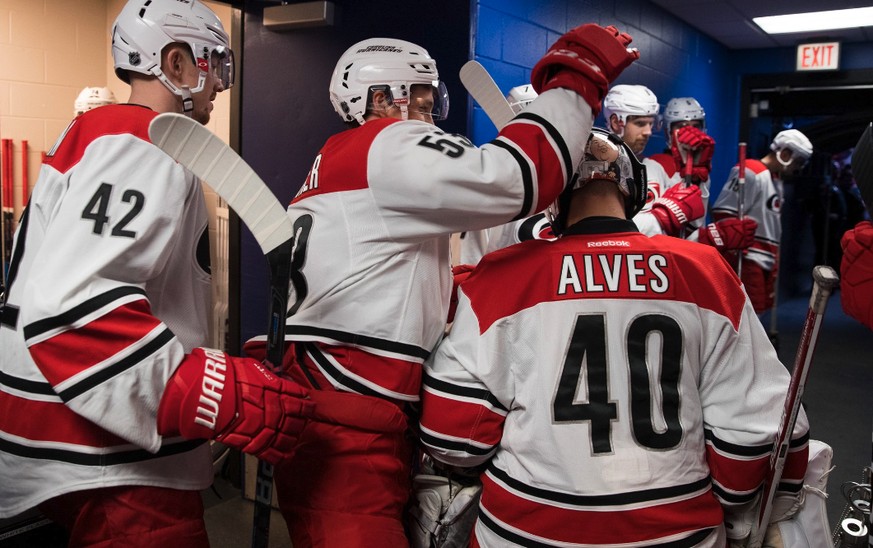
x: 824, y: 281
x: 741, y: 198
x: 218, y: 165
x: 484, y: 91
x: 862, y: 166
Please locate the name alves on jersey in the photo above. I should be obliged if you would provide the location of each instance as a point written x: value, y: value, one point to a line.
x: 608, y: 272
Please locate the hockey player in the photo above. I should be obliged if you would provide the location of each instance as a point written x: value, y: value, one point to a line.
x: 476, y: 243
x: 631, y: 112
x: 761, y: 199
x: 620, y: 391
x: 94, y: 97
x: 373, y: 278
x: 106, y: 396
x: 685, y: 130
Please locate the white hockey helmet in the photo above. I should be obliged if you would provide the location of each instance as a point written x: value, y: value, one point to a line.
x: 626, y: 100
x: 145, y: 27
x: 92, y: 98
x: 796, y: 142
x: 681, y: 109
x: 520, y: 97
x: 388, y: 64
x: 607, y: 157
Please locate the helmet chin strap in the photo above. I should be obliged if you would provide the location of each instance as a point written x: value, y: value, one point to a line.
x: 187, y: 101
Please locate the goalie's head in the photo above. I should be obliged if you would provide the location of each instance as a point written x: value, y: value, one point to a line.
x: 607, y: 158
x: 145, y: 27
x: 389, y: 68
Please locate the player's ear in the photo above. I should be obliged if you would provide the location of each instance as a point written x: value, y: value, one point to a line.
x: 173, y: 62
x: 614, y: 124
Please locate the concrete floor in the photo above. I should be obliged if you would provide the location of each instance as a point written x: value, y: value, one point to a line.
x: 837, y: 398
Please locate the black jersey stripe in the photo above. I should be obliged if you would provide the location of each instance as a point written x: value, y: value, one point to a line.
x: 526, y: 177
x: 25, y: 385
x: 463, y: 391
x: 358, y: 340
x: 556, y: 136
x: 451, y: 445
x: 733, y: 497
x: 688, y: 542
x: 122, y: 365
x: 337, y: 376
x: 750, y: 450
x: 69, y: 317
x: 97, y: 459
x: 616, y: 499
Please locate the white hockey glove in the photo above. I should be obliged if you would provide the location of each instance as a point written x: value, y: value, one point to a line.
x: 444, y: 513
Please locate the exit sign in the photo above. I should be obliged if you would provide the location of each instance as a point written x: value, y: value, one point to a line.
x: 823, y: 56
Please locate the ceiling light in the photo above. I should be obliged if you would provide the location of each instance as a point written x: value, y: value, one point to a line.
x: 817, y: 20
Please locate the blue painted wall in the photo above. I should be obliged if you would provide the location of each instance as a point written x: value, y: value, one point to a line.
x: 509, y: 36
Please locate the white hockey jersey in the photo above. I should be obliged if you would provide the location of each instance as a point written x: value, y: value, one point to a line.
x: 762, y: 201
x: 109, y: 289
x: 621, y: 386
x: 662, y: 173
x: 371, y: 271
x: 477, y: 243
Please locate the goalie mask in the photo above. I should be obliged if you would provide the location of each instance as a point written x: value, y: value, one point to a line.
x: 607, y: 158
x: 796, y: 142
x: 145, y: 27
x: 386, y: 64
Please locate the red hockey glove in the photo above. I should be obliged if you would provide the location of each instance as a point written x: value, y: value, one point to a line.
x: 759, y: 285
x: 586, y: 60
x: 729, y: 234
x: 677, y: 207
x: 701, y: 145
x: 856, y: 273
x: 236, y: 401
x: 460, y: 273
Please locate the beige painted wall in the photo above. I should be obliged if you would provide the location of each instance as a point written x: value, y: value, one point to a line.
x: 49, y: 51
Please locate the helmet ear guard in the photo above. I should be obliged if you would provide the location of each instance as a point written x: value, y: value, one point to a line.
x: 144, y: 28
x: 607, y: 157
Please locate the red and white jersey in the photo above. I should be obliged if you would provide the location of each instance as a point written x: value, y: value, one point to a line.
x: 109, y: 289
x: 621, y: 386
x: 477, y: 243
x: 662, y: 173
x: 762, y: 201
x: 372, y: 272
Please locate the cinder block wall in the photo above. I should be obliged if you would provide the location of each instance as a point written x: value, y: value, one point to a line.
x: 49, y: 51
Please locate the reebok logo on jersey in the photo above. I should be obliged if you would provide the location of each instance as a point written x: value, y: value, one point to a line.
x: 609, y: 243
x: 214, y: 370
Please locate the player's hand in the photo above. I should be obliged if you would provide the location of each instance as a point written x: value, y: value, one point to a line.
x: 856, y: 273
x: 729, y: 234
x: 694, y: 141
x: 236, y: 401
x: 677, y: 207
x: 460, y: 273
x: 586, y: 60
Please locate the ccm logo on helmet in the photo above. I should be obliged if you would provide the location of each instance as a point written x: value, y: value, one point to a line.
x: 609, y: 243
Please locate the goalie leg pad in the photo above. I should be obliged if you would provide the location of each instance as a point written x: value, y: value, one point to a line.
x: 443, y: 513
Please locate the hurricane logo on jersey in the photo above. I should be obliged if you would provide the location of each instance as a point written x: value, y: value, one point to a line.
x: 774, y: 203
